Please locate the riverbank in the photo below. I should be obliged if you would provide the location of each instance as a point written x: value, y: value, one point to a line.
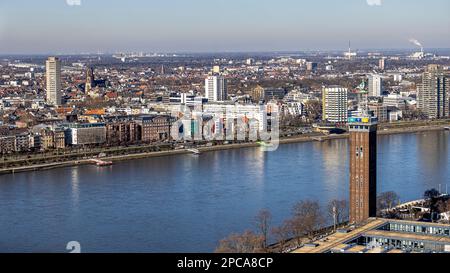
x: 290, y: 140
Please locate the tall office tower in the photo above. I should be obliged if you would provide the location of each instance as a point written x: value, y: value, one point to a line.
x: 433, y: 93
x: 382, y: 64
x: 90, y: 80
x: 53, y: 77
x: 335, y: 104
x: 363, y: 168
x: 310, y: 66
x: 375, y: 86
x: 216, y: 88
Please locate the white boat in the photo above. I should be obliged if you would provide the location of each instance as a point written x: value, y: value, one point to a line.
x: 194, y: 151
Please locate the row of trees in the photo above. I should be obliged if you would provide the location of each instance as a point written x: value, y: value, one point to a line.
x: 434, y: 201
x: 307, y: 218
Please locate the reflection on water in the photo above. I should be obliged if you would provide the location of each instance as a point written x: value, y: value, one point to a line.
x: 75, y: 187
x: 432, y: 160
x: 187, y: 203
x: 333, y: 162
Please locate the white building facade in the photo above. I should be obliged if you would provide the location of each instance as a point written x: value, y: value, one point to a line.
x: 216, y: 88
x: 53, y: 81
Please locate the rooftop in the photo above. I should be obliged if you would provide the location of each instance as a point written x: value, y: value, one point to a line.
x: 341, y: 242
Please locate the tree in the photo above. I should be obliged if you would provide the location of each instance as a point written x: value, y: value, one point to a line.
x: 282, y: 235
x: 387, y: 200
x: 247, y: 242
x: 431, y: 194
x: 338, y: 211
x: 432, y: 197
x: 313, y: 109
x: 443, y: 206
x: 307, y: 217
x: 296, y: 229
x: 263, y: 220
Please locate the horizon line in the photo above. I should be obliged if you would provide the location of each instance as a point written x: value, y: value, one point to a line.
x: 218, y: 51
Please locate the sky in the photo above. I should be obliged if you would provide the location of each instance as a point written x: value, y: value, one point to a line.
x: 81, y: 26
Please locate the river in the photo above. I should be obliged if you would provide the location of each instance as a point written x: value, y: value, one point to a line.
x: 187, y: 203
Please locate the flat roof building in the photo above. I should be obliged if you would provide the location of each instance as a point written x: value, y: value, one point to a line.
x: 385, y: 236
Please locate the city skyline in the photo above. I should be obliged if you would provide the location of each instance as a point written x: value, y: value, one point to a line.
x: 225, y: 26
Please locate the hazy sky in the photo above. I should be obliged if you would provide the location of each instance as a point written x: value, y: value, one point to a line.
x: 65, y: 26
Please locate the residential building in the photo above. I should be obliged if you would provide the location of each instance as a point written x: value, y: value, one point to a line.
x: 375, y: 86
x: 122, y: 131
x: 311, y: 66
x: 86, y: 133
x: 216, y: 88
x: 154, y: 128
x: 266, y: 94
x: 378, y: 110
x: 335, y: 104
x: 53, y: 80
x: 433, y: 96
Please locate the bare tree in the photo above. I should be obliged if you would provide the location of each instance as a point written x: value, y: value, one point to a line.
x: 263, y: 220
x: 432, y: 198
x: 443, y: 206
x: 313, y: 109
x: 247, y: 242
x: 387, y: 200
x: 282, y: 235
x: 308, y: 217
x: 338, y: 211
x: 296, y: 229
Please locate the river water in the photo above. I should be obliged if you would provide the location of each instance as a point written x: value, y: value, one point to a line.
x: 187, y: 203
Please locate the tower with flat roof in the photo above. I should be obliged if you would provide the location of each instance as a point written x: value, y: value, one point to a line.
x: 53, y: 81
x: 363, y: 168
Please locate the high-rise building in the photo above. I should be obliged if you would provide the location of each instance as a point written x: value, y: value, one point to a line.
x: 433, y: 96
x: 53, y: 78
x: 335, y: 104
x: 375, y: 86
x: 216, y: 88
x: 382, y: 64
x: 363, y: 168
x: 310, y: 66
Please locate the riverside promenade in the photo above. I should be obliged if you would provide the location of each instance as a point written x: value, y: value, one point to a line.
x: 116, y: 154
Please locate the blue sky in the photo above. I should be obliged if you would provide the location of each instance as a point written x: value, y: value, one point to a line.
x: 54, y: 26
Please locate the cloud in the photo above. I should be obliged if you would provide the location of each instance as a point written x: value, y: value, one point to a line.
x: 73, y: 2
x: 374, y: 2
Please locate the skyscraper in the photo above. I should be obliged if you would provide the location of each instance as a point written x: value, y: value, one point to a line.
x: 363, y: 168
x: 375, y: 86
x: 335, y: 104
x: 382, y: 64
x: 433, y: 96
x: 310, y: 66
x: 53, y: 78
x: 216, y: 88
